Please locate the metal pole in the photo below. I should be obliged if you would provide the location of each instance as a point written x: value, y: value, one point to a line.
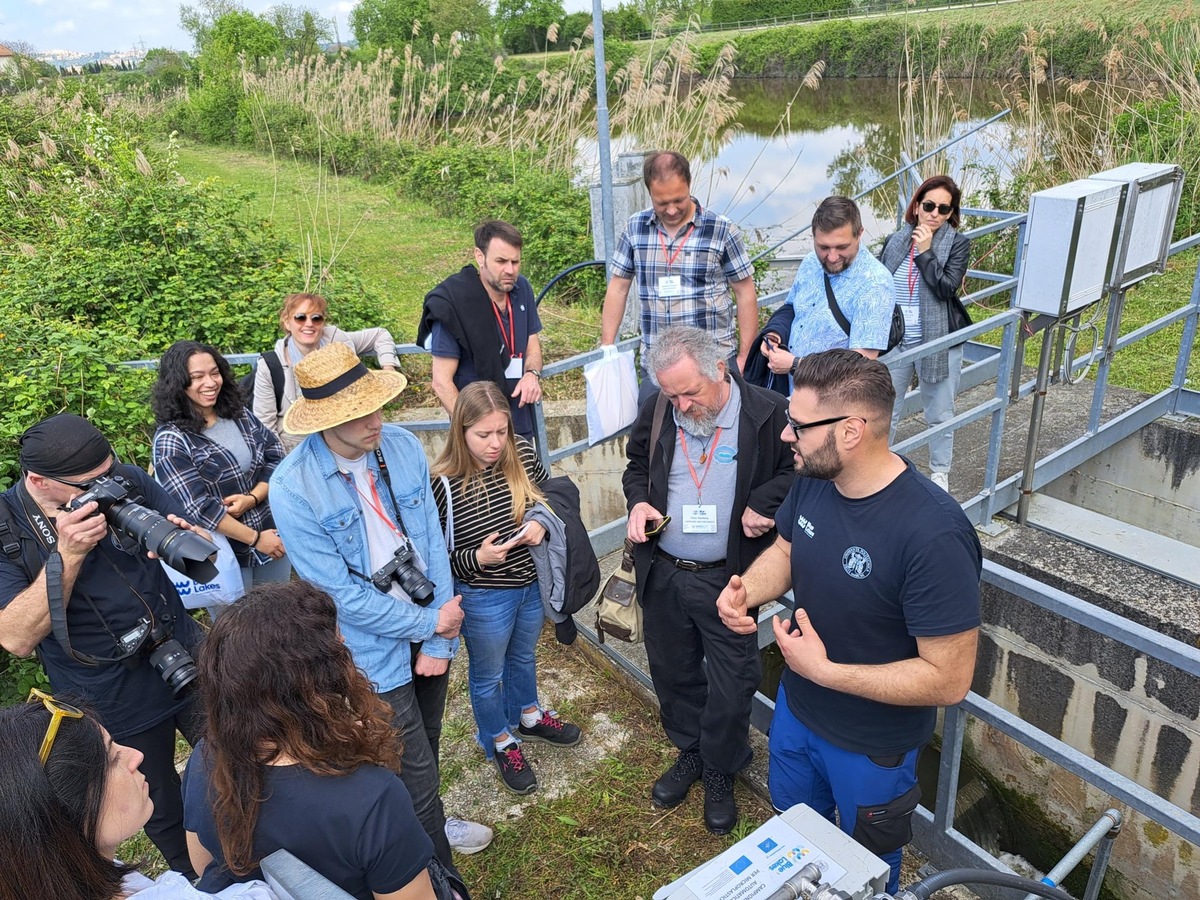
x: 1035, y: 425
x: 1188, y: 340
x: 1108, y: 824
x: 1100, y: 861
x: 603, y: 137
x: 1112, y: 331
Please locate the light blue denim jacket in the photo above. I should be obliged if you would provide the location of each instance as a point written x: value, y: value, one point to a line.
x: 319, y: 517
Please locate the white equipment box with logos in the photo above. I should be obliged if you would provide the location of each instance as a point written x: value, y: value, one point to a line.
x: 760, y: 863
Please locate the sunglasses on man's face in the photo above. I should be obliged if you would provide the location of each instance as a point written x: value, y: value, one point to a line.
x: 944, y: 209
x: 317, y: 318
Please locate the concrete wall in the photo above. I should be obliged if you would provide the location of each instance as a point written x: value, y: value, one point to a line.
x: 1138, y: 716
x: 1135, y: 715
x: 1148, y: 480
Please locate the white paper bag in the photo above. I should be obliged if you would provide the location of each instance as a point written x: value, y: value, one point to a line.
x: 227, y: 587
x: 612, y: 392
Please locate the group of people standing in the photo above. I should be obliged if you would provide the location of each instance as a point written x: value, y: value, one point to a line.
x: 883, y: 563
x: 316, y: 692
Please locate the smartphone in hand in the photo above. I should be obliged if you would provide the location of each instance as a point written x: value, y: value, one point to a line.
x: 515, y: 535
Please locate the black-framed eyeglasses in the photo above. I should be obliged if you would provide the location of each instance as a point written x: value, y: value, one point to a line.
x: 317, y: 318
x: 58, y: 711
x: 944, y: 209
x: 85, y: 485
x: 798, y: 427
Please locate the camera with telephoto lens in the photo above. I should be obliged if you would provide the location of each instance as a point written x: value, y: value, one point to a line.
x: 170, y: 660
x: 402, y: 568
x: 183, y: 550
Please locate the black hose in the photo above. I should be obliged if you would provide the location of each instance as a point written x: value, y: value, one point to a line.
x: 926, y: 886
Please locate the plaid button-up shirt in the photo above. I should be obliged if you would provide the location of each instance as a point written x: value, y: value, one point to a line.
x: 706, y: 255
x: 200, y: 473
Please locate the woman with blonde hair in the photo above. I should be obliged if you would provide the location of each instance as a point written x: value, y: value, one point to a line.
x: 304, y: 319
x: 484, y: 482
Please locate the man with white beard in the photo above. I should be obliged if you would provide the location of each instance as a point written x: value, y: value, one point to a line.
x: 715, y: 478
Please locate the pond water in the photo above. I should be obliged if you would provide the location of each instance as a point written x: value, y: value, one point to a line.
x: 776, y: 166
x: 769, y: 171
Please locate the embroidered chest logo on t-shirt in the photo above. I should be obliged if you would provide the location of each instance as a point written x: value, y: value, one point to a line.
x: 725, y: 455
x: 857, y: 562
x: 804, y: 525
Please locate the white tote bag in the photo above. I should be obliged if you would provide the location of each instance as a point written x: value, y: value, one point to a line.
x: 612, y: 392
x: 227, y: 587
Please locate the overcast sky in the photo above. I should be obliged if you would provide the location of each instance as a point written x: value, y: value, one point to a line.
x: 90, y: 25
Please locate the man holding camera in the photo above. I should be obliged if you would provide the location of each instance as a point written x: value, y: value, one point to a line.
x: 355, y: 509
x: 94, y: 607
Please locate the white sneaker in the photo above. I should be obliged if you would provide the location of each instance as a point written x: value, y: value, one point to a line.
x: 467, y: 837
x: 941, y: 479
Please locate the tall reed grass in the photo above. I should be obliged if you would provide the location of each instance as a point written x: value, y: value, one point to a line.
x: 660, y: 99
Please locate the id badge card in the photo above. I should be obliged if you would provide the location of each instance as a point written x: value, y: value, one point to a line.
x: 700, y: 518
x: 670, y: 286
x: 912, y: 315
x: 516, y: 367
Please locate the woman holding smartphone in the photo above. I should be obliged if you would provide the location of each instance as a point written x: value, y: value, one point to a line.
x: 484, y: 482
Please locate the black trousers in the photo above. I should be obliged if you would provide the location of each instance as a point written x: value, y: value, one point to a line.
x: 157, y: 745
x: 703, y: 708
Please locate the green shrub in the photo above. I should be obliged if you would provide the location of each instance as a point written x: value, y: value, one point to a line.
x: 731, y: 11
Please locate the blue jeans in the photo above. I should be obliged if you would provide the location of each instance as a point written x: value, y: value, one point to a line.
x: 938, y: 400
x: 874, y: 797
x: 501, y: 627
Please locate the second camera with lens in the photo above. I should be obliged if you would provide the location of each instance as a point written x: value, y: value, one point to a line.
x: 157, y: 643
x: 402, y: 568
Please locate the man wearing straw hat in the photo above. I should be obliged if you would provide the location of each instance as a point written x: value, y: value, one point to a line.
x: 354, y: 502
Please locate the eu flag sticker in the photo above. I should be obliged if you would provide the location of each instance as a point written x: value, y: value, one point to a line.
x: 767, y: 846
x: 739, y: 865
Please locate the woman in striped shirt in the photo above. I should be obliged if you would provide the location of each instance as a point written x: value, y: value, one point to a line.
x: 484, y: 481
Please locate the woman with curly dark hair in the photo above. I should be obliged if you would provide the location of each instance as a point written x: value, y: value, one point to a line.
x: 69, y: 794
x: 216, y: 457
x: 299, y: 754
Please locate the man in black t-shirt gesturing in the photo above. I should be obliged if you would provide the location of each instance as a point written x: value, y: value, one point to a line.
x: 110, y: 591
x: 885, y: 568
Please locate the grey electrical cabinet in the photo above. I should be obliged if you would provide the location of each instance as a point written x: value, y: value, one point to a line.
x: 1070, y: 244
x: 1151, y: 204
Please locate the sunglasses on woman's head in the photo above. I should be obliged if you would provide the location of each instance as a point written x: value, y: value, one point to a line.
x: 944, y: 209
x: 304, y: 317
x: 58, y: 711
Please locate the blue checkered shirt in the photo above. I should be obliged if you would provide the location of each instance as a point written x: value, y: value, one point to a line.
x: 712, y: 257
x: 864, y: 294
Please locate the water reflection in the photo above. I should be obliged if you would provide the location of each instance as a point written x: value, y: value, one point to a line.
x: 779, y: 162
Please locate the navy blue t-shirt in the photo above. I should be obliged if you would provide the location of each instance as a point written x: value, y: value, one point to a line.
x: 525, y: 322
x: 874, y: 574
x: 359, y: 830
x: 127, y: 699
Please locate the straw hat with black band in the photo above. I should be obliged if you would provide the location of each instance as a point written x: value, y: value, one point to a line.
x: 335, y: 388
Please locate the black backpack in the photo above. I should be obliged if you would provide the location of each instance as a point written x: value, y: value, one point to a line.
x: 275, y: 367
x: 895, y: 335
x: 583, y: 569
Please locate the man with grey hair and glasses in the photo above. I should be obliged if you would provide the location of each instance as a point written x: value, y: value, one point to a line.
x: 702, y: 504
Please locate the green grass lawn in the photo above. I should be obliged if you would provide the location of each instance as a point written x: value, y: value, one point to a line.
x: 401, y: 248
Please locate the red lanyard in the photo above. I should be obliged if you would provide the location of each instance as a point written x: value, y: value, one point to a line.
x: 913, y: 274
x: 706, y: 459
x: 510, y: 339
x: 670, y: 260
x: 376, y: 504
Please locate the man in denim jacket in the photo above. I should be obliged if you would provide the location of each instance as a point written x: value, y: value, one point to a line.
x: 343, y: 518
